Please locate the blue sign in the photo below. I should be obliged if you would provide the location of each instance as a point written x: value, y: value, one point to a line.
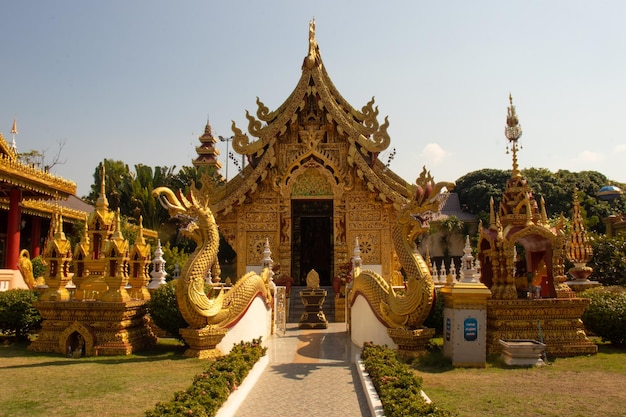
x: 448, y: 325
x: 470, y: 329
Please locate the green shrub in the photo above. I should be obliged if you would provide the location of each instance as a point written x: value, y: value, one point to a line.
x: 211, y: 388
x: 38, y: 267
x: 606, y: 315
x: 18, y: 316
x: 397, y: 386
x: 435, y: 318
x: 164, y: 311
x: 609, y: 260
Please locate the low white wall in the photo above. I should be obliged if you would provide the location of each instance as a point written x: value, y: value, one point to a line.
x: 255, y: 323
x: 366, y: 327
x: 11, y: 279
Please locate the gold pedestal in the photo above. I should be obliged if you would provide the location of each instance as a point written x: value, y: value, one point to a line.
x: 553, y: 321
x: 411, y: 343
x: 202, y: 342
x: 92, y: 328
x: 313, y: 316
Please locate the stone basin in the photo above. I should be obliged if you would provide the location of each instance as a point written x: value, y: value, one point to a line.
x: 522, y: 352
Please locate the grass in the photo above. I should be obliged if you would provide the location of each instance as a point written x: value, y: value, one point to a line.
x: 35, y: 384
x: 41, y: 384
x: 578, y: 386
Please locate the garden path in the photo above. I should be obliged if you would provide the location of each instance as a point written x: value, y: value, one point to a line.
x: 310, y: 373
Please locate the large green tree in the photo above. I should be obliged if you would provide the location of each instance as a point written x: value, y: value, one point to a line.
x: 476, y: 188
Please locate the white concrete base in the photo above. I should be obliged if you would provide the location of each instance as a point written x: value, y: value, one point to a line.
x: 373, y: 400
x: 366, y: 327
x: 255, y: 322
x: 236, y: 398
x: 12, y: 279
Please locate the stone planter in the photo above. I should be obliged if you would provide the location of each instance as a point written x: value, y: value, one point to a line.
x: 522, y: 352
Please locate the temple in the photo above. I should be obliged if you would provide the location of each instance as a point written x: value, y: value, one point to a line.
x: 28, y: 197
x: 313, y: 182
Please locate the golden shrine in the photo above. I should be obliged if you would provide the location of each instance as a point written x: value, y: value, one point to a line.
x: 313, y: 182
x: 523, y: 264
x: 106, y: 315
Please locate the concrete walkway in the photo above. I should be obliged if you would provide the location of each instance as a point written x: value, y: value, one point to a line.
x: 310, y: 373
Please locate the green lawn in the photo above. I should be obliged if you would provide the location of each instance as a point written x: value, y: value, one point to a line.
x: 579, y: 386
x: 36, y: 384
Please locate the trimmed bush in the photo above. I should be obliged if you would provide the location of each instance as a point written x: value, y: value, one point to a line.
x: 397, y: 386
x: 606, y: 315
x: 18, y: 316
x: 210, y: 389
x: 164, y: 311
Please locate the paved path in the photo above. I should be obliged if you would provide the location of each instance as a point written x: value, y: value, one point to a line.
x: 310, y: 373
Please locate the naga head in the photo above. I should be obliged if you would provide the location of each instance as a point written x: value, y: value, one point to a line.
x: 194, y: 208
x: 425, y: 204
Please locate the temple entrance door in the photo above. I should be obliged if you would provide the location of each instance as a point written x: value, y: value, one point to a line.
x: 312, y: 237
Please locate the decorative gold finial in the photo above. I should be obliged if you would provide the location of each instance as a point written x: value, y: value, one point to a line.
x: 313, y: 56
x: 102, y: 203
x: 513, y: 131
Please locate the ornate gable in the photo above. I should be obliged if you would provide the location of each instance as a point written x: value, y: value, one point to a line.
x: 314, y: 126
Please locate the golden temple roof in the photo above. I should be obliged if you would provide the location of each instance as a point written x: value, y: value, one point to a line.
x: 34, y: 183
x: 314, y: 125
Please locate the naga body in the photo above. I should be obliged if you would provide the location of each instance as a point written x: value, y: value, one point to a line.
x: 196, y: 307
x: 410, y: 309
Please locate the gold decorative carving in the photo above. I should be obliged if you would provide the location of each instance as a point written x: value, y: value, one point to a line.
x: 196, y: 308
x: 407, y: 311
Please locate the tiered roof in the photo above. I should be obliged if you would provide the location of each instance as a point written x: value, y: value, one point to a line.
x: 313, y: 109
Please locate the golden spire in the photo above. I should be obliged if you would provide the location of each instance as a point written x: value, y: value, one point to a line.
x: 140, y: 239
x: 102, y: 203
x: 14, y: 132
x: 579, y: 249
x: 513, y: 131
x: 312, y: 57
x: 117, y: 234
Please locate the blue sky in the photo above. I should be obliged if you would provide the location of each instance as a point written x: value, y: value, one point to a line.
x: 136, y: 80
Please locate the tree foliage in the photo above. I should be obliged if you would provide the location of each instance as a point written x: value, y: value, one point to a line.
x: 609, y: 260
x: 476, y: 188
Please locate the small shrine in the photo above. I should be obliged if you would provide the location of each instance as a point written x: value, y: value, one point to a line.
x: 522, y: 260
x: 106, y: 314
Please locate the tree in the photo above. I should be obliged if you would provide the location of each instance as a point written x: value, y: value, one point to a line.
x: 476, y: 188
x: 37, y: 158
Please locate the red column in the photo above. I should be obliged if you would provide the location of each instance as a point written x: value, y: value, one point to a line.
x: 13, y: 229
x: 35, y: 237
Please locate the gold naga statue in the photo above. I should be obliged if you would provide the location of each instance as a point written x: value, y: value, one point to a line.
x: 198, y: 310
x: 408, y: 310
x: 25, y: 265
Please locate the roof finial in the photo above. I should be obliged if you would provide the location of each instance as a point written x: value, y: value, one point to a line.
x: 102, y: 203
x: 14, y: 132
x: 513, y: 131
x: 312, y: 57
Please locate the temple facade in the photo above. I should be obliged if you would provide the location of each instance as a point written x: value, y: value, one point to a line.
x: 313, y: 183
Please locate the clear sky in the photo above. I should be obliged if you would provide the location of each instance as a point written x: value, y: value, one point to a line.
x: 136, y: 80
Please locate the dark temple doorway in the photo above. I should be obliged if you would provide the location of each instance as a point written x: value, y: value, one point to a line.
x: 312, y: 237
